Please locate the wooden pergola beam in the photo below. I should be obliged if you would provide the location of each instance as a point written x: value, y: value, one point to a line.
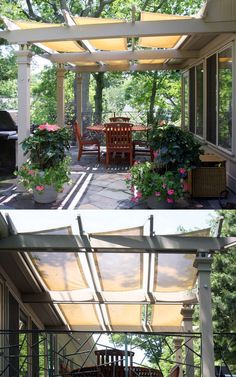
x: 121, y: 30
x: 72, y: 57
x: 124, y: 68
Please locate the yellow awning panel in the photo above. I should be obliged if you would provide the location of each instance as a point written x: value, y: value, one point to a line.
x: 151, y: 61
x: 81, y: 316
x: 60, y: 46
x: 160, y: 42
x: 108, y: 44
x: 166, y: 315
x: 125, y: 317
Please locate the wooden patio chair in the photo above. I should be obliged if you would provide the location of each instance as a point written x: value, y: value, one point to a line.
x: 111, y: 362
x: 118, y: 139
x: 175, y: 371
x: 86, y: 146
x: 141, y: 148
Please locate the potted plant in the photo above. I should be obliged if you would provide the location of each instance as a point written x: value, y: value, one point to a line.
x: 164, y: 181
x: 161, y: 190
x: 47, y: 167
x: 174, y: 147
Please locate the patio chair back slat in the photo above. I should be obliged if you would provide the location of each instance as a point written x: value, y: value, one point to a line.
x: 118, y: 139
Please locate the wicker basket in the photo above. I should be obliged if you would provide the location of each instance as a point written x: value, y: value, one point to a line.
x: 208, y: 180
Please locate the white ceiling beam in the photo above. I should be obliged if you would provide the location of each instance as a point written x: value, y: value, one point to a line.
x: 121, y: 55
x: 110, y: 244
x: 124, y: 68
x: 119, y: 30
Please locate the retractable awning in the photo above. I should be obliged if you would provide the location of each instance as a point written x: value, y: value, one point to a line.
x: 117, y: 281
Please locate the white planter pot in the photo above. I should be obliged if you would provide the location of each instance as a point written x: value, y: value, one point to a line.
x: 48, y: 195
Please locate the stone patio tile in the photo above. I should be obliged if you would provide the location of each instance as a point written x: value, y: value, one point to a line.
x: 115, y: 195
x: 100, y: 202
x: 88, y: 206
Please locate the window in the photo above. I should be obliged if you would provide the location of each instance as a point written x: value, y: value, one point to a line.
x: 211, y: 99
x: 192, y: 99
x: 199, y: 100
x: 225, y: 92
x: 186, y: 101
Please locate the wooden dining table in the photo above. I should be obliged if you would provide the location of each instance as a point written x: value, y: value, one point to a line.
x: 102, y: 128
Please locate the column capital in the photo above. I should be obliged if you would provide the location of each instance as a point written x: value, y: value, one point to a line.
x: 178, y: 342
x: 203, y: 262
x: 187, y: 312
x: 23, y: 56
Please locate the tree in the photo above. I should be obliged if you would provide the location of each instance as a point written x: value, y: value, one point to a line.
x: 224, y: 295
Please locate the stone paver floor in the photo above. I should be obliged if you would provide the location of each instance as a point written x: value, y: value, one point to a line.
x: 93, y: 187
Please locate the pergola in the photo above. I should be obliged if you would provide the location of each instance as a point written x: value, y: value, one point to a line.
x: 120, y: 280
x: 98, y: 45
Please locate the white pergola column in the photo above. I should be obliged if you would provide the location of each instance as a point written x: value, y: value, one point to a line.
x: 60, y: 95
x: 79, y: 99
x: 178, y: 354
x: 203, y: 264
x: 187, y: 313
x: 24, y: 57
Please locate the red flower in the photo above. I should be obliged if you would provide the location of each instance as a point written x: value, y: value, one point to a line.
x: 39, y: 188
x: 49, y: 127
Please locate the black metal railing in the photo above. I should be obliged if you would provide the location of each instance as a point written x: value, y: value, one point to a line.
x: 45, y: 353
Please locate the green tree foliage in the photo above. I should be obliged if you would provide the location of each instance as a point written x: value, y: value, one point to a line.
x: 223, y: 289
x: 8, y: 78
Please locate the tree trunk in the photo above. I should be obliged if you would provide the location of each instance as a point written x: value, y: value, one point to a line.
x: 152, y: 99
x: 99, y: 78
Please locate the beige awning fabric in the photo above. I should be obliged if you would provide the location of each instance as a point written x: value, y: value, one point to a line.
x: 60, y: 46
x: 108, y: 44
x: 163, y: 315
x: 160, y: 42
x: 151, y: 61
x: 110, y: 290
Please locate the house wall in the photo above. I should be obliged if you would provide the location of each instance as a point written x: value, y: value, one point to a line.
x: 215, y: 46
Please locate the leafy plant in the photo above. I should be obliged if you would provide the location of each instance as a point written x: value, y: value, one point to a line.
x: 174, y: 148
x: 144, y: 180
x: 47, y: 145
x: 48, y: 164
x: 33, y: 178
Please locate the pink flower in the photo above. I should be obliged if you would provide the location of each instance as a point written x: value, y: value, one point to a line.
x: 156, y: 153
x: 134, y: 200
x: 128, y: 176
x: 52, y: 127
x: 138, y: 195
x: 39, y: 188
x: 42, y: 127
x: 164, y: 185
x: 157, y: 193
x: 170, y: 192
x: 49, y: 127
x: 132, y: 189
x: 31, y: 172
x: 182, y: 171
x: 170, y: 200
